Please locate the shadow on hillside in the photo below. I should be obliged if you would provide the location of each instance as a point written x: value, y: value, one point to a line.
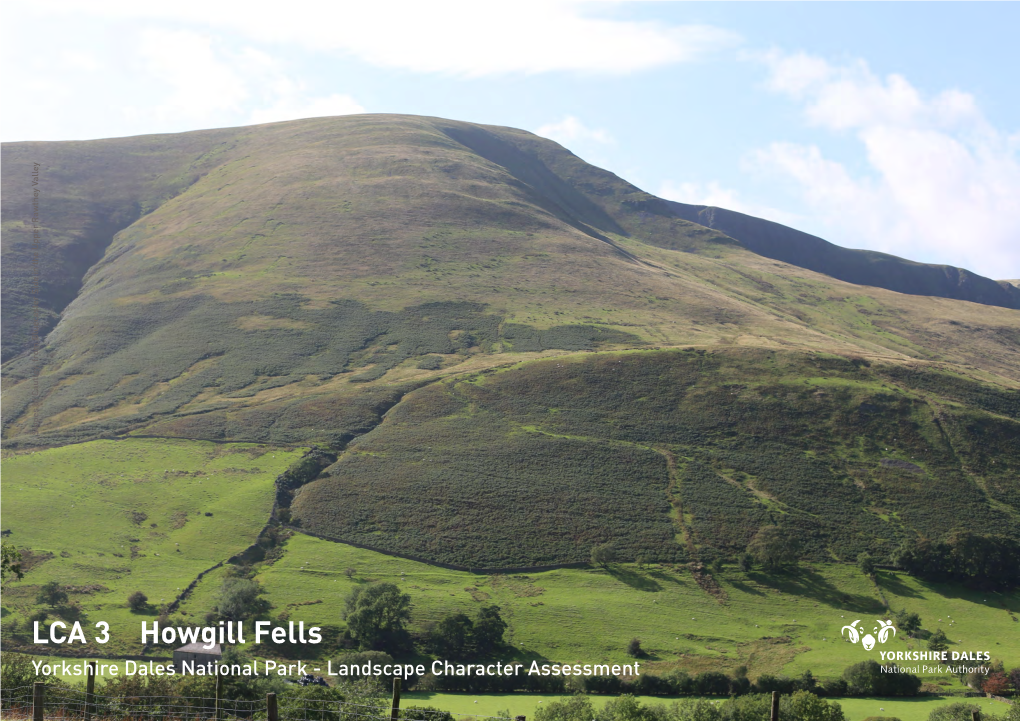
x: 663, y: 576
x: 632, y: 579
x: 804, y: 582
x: 1009, y: 600
x: 889, y: 582
x: 741, y: 586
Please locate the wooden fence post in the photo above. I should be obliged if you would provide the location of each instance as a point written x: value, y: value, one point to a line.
x: 37, y: 701
x: 775, y: 706
x: 271, y: 713
x: 395, y: 707
x: 90, y: 689
x: 219, y: 695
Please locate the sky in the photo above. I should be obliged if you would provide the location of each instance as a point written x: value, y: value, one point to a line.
x: 888, y: 126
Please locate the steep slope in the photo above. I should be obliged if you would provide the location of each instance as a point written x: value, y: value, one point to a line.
x: 675, y: 456
x: 864, y: 267
x: 82, y: 194
x: 290, y: 282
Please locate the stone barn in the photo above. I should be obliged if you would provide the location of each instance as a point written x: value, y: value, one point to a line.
x: 190, y: 657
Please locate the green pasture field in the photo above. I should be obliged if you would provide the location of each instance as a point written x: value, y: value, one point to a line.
x: 108, y: 518
x: 782, y: 623
x: 77, y: 509
x: 525, y: 704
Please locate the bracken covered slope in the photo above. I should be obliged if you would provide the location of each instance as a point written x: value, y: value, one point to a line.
x: 324, y: 280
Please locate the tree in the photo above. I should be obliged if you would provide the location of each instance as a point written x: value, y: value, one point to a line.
x: 805, y: 706
x: 1014, y: 680
x: 377, y: 616
x: 866, y: 562
x: 908, y: 622
x: 807, y: 681
x: 51, y: 594
x: 575, y: 708
x: 137, y: 601
x: 868, y: 678
x: 488, y: 631
x: 10, y: 563
x: 953, y: 712
x: 634, y: 648
x: 240, y: 599
x: 938, y: 641
x: 17, y: 670
x: 745, y: 562
x: 988, y: 561
x: 773, y: 548
x: 996, y: 684
x: 602, y: 555
x: 451, y: 637
x: 349, y: 572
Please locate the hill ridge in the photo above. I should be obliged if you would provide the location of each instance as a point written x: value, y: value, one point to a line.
x: 261, y: 271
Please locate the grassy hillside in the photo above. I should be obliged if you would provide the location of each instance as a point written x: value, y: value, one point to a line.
x: 864, y: 267
x: 783, y: 623
x: 675, y: 455
x: 253, y: 269
x: 108, y: 518
x: 855, y: 709
x: 514, y: 356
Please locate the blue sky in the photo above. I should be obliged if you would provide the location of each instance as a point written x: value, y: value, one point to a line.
x: 891, y: 126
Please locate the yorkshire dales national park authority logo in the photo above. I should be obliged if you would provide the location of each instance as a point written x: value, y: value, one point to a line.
x: 868, y: 641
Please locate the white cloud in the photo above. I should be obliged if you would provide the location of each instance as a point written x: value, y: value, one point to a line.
x: 203, y: 81
x: 571, y: 130
x: 206, y: 82
x: 76, y: 59
x: 941, y: 182
x: 458, y: 37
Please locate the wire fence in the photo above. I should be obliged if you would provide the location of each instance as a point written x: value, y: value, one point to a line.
x: 42, y: 701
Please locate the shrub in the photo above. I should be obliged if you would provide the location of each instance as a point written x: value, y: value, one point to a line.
x: 767, y: 683
x: 430, y: 363
x: 16, y: 670
x: 953, y: 712
x: 11, y: 562
x: 627, y: 708
x: 358, y: 660
x: 138, y: 601
x: 938, y: 641
x: 240, y: 599
x: 711, y: 683
x: 426, y: 713
x: 866, y: 562
x: 51, y: 594
x: 868, y: 678
x: 576, y: 708
x: 696, y: 710
x: 634, y: 648
x: 603, y: 684
x: 805, y: 706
